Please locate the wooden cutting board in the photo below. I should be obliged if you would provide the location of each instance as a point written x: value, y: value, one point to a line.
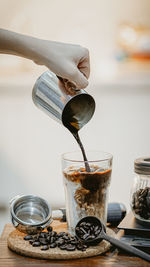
x: 17, y: 244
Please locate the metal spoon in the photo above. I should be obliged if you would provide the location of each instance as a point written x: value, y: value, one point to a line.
x: 91, y: 231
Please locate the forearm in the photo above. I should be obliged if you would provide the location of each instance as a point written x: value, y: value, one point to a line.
x: 17, y: 44
x: 68, y: 61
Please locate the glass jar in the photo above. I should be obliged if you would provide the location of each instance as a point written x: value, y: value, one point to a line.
x: 86, y: 192
x: 140, y: 193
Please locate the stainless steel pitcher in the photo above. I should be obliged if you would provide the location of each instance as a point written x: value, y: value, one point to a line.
x: 72, y: 108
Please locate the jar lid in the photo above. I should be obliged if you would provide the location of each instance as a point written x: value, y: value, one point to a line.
x: 142, y: 166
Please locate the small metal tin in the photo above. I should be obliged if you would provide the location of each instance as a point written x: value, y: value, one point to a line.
x: 30, y: 214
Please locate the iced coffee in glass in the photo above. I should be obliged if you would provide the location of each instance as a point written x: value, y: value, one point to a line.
x: 86, y: 193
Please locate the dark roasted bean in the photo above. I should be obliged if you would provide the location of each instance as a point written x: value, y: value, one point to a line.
x: 37, y: 236
x: 63, y: 247
x: 140, y: 203
x: 65, y: 237
x: 35, y: 240
x: 79, y: 247
x: 53, y: 239
x: 49, y: 228
x: 61, y: 234
x: 42, y: 234
x: 97, y: 232
x: 63, y: 240
x: 60, y: 242
x: 74, y: 242
x: 83, y: 224
x: 48, y: 239
x: 88, y: 224
x: 85, y: 236
x: 72, y: 238
x: 53, y: 245
x: 83, y: 230
x: 90, y: 237
x: 36, y: 244
x: 43, y: 241
x: 96, y: 228
x: 70, y: 247
x: 28, y: 237
x: 45, y: 247
x: 53, y: 233
x: 68, y: 241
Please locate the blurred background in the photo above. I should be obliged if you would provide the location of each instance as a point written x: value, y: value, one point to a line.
x: 117, y: 33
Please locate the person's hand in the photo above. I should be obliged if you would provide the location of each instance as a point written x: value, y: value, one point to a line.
x: 70, y: 62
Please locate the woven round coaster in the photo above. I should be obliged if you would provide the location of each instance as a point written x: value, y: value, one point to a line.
x: 17, y: 244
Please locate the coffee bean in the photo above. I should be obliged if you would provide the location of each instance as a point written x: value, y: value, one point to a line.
x: 61, y: 234
x: 88, y: 224
x: 79, y: 247
x: 45, y: 247
x: 72, y: 238
x: 140, y: 203
x: 83, y: 230
x: 35, y: 240
x: 97, y: 232
x: 60, y: 242
x: 74, y: 242
x: 28, y: 237
x: 96, y: 228
x: 144, y: 193
x: 141, y: 199
x: 53, y: 233
x: 53, y: 239
x: 63, y: 247
x: 63, y: 240
x: 53, y: 245
x: 92, y: 227
x: 42, y: 234
x: 36, y: 237
x: 36, y: 244
x: 85, y: 236
x: 83, y: 223
x: 65, y: 237
x: 70, y: 247
x: 49, y: 229
x: 90, y: 237
x: 48, y: 239
x: 43, y: 241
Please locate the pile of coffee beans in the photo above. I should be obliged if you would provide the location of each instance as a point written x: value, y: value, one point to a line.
x: 141, y: 202
x: 88, y: 231
x: 51, y: 239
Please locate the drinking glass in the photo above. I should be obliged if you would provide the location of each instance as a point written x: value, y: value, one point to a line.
x: 86, y: 193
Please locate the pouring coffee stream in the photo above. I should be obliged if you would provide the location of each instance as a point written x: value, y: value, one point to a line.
x: 77, y: 137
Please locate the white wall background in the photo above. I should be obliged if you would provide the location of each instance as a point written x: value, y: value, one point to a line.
x: 30, y: 142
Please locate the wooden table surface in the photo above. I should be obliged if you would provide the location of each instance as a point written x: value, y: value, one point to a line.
x: 112, y: 258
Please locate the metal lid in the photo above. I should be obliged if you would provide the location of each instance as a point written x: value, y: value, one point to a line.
x: 142, y: 166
